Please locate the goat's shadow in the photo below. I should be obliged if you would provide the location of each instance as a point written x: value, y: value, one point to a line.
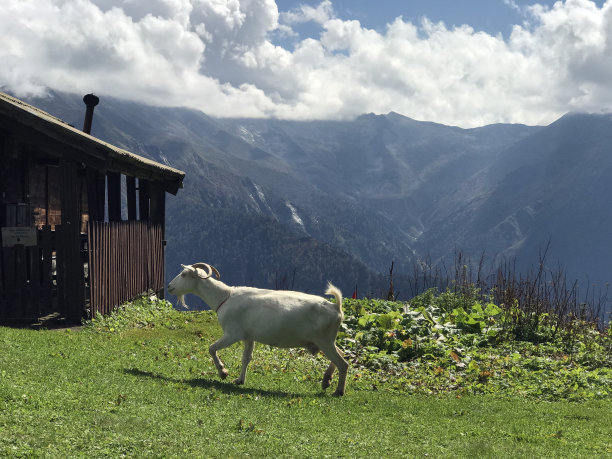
x: 225, y: 387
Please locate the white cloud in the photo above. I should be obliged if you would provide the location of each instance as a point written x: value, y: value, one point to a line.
x: 218, y: 56
x: 512, y: 4
x: 306, y: 13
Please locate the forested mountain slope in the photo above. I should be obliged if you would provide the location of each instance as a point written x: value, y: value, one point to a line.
x: 292, y: 204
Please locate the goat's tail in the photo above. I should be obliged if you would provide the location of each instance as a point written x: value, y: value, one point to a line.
x: 335, y: 291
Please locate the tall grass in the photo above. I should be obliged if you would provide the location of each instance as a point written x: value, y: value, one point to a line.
x: 542, y: 293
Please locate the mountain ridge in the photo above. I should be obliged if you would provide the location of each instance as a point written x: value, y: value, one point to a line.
x: 363, y: 193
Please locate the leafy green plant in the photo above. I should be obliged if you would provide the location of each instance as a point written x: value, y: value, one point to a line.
x: 440, y: 342
x: 143, y: 312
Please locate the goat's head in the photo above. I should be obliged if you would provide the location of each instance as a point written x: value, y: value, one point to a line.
x: 187, y: 281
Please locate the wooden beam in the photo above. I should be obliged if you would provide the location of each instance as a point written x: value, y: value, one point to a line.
x: 59, y: 139
x: 143, y: 199
x: 96, y: 187
x: 130, y: 184
x: 70, y: 282
x: 113, y: 182
x: 158, y: 204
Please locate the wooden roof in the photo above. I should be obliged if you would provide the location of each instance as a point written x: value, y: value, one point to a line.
x: 56, y: 136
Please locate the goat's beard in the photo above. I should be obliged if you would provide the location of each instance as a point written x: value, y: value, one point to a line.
x: 181, y: 301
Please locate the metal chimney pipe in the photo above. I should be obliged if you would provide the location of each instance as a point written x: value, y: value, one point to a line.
x: 90, y: 102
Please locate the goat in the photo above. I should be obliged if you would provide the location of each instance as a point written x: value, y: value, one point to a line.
x: 277, y: 318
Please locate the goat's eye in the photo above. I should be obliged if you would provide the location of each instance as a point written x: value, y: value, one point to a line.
x: 183, y: 274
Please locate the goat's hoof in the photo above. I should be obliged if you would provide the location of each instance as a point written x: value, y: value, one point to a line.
x: 325, y: 383
x: 338, y: 393
x: 223, y: 374
x: 238, y: 381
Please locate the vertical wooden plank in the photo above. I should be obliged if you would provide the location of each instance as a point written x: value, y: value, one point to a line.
x: 121, y: 278
x: 59, y: 269
x: 141, y: 256
x: 34, y: 265
x: 2, y: 282
x: 43, y: 253
x: 132, y: 278
x: 73, y: 288
x: 9, y: 279
x: 138, y: 242
x: 46, y: 249
x: 53, y: 268
x: 91, y: 244
x: 125, y: 261
x: 97, y: 266
x: 21, y: 278
x: 104, y: 267
x: 109, y: 268
x: 105, y: 263
x: 91, y: 268
x: 138, y: 245
x: 115, y: 267
x: 127, y: 291
x: 158, y: 217
x: 157, y: 263
x: 12, y: 278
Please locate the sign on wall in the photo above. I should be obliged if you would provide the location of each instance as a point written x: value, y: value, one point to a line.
x: 14, y: 235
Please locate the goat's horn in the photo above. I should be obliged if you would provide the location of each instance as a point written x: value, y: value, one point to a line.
x: 216, y: 272
x: 205, y: 266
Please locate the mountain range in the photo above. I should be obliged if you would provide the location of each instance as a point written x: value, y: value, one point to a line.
x: 292, y: 204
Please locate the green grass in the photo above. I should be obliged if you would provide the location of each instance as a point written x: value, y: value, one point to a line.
x: 149, y: 389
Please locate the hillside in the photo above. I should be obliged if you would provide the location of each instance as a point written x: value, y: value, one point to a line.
x: 553, y: 185
x: 267, y: 200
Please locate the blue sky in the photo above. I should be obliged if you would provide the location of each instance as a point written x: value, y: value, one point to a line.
x: 491, y: 16
x: 459, y: 62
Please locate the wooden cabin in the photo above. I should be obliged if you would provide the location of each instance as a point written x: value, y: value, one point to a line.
x: 82, y: 221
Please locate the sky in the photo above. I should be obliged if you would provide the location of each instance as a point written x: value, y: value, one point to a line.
x: 458, y: 62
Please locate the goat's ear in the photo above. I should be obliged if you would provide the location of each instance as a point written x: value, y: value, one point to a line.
x: 189, y: 268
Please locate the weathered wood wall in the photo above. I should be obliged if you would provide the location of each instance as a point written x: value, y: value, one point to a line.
x: 125, y: 259
x: 80, y: 266
x: 33, y: 280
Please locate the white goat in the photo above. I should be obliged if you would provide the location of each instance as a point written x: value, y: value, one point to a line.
x: 278, y: 318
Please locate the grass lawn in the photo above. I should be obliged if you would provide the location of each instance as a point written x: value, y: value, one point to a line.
x: 154, y: 392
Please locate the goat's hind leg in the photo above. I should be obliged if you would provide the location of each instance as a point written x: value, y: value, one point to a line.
x: 246, y: 358
x: 335, y: 356
x: 221, y: 343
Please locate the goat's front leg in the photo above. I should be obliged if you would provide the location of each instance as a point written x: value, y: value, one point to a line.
x: 221, y: 343
x: 246, y: 358
x: 327, y: 376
